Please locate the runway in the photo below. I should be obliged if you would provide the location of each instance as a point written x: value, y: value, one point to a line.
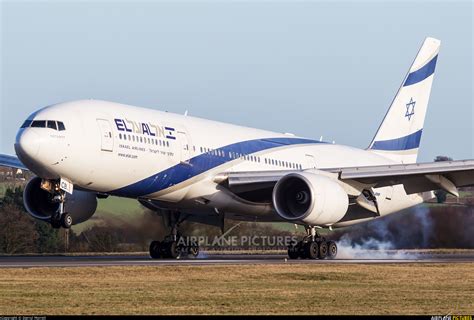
x: 223, y: 259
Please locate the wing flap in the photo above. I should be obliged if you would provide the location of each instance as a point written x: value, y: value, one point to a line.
x: 417, y: 177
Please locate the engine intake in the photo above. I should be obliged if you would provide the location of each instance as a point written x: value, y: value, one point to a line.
x: 81, y: 205
x: 310, y: 198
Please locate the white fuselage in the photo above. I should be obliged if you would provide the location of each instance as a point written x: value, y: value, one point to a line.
x: 145, y: 154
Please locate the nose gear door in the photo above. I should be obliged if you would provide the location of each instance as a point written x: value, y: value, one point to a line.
x: 107, y: 138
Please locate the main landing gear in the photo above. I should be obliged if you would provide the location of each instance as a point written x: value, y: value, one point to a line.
x: 175, y: 245
x: 313, y: 246
x: 173, y: 248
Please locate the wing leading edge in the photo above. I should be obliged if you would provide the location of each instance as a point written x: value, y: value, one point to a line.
x: 12, y: 162
x: 416, y: 177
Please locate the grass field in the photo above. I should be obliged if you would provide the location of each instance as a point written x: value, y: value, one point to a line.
x: 244, y: 289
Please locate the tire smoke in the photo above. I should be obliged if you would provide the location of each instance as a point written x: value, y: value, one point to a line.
x: 421, y: 227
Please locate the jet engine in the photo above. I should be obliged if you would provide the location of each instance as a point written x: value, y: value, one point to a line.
x: 313, y: 199
x: 39, y: 203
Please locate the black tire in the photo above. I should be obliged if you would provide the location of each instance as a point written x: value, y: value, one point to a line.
x: 332, y: 249
x: 173, y: 251
x: 155, y: 249
x: 66, y: 220
x: 55, y: 223
x: 323, y: 250
x: 311, y: 250
x: 293, y: 252
x: 164, y: 252
x: 300, y: 248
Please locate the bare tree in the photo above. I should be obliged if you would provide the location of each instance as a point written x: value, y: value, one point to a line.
x: 17, y: 232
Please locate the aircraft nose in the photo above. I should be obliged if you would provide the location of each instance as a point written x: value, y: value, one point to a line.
x: 27, y: 145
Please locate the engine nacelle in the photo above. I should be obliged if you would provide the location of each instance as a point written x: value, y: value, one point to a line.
x: 313, y: 199
x: 80, y: 205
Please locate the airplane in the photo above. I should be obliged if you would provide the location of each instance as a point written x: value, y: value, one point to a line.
x: 188, y: 168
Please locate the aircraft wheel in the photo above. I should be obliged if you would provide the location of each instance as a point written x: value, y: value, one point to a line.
x: 332, y: 249
x: 311, y: 250
x: 301, y: 249
x: 55, y: 223
x: 323, y: 250
x: 155, y: 249
x: 164, y: 252
x: 172, y: 250
x: 66, y: 220
x: 293, y: 252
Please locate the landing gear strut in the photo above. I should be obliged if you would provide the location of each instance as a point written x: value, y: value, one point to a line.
x: 60, y: 218
x: 174, y: 245
x: 313, y: 246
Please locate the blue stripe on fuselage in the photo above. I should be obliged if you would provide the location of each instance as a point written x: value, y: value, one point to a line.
x: 422, y: 73
x: 411, y: 141
x: 202, y: 163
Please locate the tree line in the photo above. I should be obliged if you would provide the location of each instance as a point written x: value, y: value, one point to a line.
x: 20, y: 233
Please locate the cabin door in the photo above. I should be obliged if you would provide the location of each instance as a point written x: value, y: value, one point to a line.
x: 106, y: 135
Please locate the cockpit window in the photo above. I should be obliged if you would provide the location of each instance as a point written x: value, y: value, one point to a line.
x: 26, y: 124
x: 52, y: 125
x: 38, y: 124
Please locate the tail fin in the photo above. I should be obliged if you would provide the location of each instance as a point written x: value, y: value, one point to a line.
x: 399, y: 135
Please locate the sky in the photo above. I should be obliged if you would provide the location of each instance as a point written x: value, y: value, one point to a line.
x: 312, y: 68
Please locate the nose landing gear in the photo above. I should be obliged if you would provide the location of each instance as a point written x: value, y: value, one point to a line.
x: 313, y: 246
x: 60, y: 218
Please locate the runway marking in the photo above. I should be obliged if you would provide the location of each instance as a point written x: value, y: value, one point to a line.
x: 104, y: 261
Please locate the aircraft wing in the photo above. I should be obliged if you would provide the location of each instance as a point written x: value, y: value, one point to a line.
x: 12, y: 162
x: 416, y: 177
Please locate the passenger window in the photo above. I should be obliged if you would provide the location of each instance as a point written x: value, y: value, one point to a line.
x: 38, y: 124
x: 52, y: 125
x: 61, y: 126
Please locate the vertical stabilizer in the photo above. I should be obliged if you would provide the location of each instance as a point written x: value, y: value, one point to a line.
x: 399, y: 135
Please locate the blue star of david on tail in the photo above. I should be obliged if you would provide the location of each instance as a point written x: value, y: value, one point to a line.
x: 410, y: 109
